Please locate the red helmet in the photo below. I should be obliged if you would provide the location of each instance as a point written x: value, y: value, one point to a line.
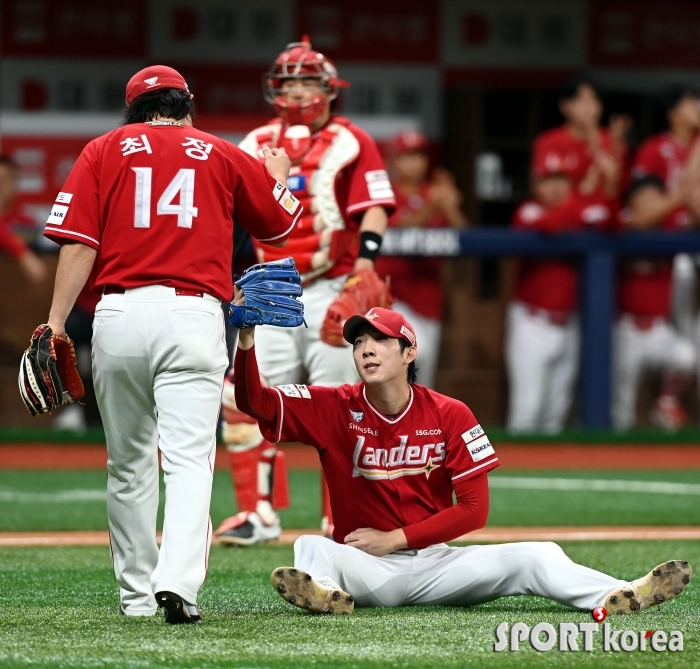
x: 299, y: 61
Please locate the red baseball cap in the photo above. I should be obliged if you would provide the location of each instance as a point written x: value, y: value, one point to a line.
x: 406, y: 142
x: 152, y: 78
x: 550, y: 164
x: 391, y: 323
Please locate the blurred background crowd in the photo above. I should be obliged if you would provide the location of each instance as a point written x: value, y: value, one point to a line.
x: 555, y: 117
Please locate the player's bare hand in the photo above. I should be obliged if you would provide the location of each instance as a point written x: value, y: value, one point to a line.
x: 277, y: 163
x: 375, y: 542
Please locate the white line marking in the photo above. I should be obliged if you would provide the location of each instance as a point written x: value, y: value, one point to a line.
x: 52, y: 497
x: 593, y: 485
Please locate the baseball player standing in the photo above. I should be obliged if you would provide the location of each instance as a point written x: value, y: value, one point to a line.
x: 422, y: 200
x: 394, y: 452
x: 542, y: 327
x: 338, y: 175
x: 150, y: 206
x: 663, y: 195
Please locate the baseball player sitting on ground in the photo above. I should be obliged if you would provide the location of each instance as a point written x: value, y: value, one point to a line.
x: 339, y: 177
x: 664, y: 195
x: 394, y: 453
x: 542, y: 328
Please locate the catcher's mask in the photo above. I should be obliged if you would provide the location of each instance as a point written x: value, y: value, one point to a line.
x: 300, y: 61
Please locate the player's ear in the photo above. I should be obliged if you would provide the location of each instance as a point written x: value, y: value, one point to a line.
x: 410, y: 354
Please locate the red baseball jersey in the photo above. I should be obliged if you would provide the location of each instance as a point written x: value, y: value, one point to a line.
x: 10, y: 241
x: 157, y: 201
x: 557, y: 150
x: 553, y: 284
x: 663, y: 157
x: 383, y: 472
x: 415, y: 281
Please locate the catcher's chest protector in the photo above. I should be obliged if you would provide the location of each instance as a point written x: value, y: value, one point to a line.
x: 312, y: 181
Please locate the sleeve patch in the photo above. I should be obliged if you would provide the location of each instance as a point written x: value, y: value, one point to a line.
x: 294, y: 390
x: 64, y: 197
x: 378, y: 185
x: 278, y: 191
x: 473, y: 433
x: 480, y: 448
x: 376, y: 175
x: 57, y: 215
x: 288, y: 202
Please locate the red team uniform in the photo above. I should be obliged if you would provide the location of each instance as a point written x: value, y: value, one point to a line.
x: 643, y: 335
x: 157, y: 201
x: 10, y: 242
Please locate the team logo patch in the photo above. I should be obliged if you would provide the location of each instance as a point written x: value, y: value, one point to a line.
x: 357, y: 416
x: 151, y: 82
x: 408, y: 334
x: 64, y: 198
x: 57, y: 215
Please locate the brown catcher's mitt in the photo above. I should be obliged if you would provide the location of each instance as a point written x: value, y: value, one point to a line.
x: 362, y: 291
x: 48, y: 373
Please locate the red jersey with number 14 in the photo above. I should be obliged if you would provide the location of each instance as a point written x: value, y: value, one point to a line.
x: 383, y: 472
x: 157, y: 201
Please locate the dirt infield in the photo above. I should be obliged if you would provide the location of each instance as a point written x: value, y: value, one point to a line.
x: 487, y: 535
x: 512, y: 456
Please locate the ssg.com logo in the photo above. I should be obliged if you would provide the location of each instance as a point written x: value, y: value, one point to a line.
x: 544, y: 637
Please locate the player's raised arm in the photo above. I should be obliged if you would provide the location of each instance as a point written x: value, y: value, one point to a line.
x: 263, y: 204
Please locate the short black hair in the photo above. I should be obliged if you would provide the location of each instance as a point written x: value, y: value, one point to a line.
x: 412, y: 369
x: 8, y: 161
x: 171, y: 103
x: 571, y: 87
x: 672, y: 95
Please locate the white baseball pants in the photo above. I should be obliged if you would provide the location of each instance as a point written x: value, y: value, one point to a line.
x: 543, y: 362
x: 428, y: 332
x: 285, y: 354
x: 634, y: 350
x: 442, y: 575
x: 158, y: 364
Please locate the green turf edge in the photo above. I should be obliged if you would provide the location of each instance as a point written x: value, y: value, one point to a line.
x: 689, y: 436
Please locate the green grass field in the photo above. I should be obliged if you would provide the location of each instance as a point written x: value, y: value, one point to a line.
x: 59, y: 606
x: 59, y: 610
x: 75, y: 500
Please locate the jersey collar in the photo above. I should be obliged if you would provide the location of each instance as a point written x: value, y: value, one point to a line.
x: 381, y: 415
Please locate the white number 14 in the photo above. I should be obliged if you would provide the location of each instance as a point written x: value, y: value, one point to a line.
x: 183, y: 183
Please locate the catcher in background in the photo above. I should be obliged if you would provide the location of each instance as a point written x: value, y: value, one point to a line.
x: 423, y: 199
x: 338, y: 175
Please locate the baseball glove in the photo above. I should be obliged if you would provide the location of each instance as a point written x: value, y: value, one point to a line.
x: 362, y: 291
x: 48, y: 373
x: 270, y: 292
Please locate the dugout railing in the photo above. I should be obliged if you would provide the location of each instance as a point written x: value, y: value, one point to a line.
x: 598, y: 253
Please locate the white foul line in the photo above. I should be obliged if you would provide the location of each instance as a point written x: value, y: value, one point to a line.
x: 597, y: 485
x: 52, y: 497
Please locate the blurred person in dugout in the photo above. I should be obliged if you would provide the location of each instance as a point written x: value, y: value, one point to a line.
x: 664, y: 194
x: 12, y: 221
x: 575, y: 183
x: 423, y: 199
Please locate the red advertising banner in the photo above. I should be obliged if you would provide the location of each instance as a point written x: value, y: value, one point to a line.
x: 644, y: 33
x: 74, y: 28
x: 365, y: 30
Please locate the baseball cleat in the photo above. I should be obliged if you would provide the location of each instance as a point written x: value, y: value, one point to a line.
x: 300, y: 589
x: 177, y: 610
x: 660, y: 585
x: 246, y: 529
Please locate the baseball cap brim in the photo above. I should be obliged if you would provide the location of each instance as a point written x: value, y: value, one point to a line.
x: 355, y: 323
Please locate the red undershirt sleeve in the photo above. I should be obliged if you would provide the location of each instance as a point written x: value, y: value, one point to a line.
x: 468, y: 514
x: 251, y: 397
